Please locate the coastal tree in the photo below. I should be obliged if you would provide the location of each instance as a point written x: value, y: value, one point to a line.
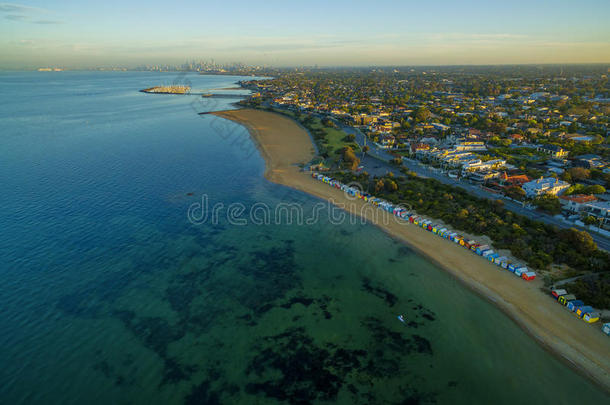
x: 390, y: 185
x: 422, y: 114
x: 578, y: 173
x: 515, y: 192
x: 379, y: 185
x: 350, y: 158
x: 548, y: 203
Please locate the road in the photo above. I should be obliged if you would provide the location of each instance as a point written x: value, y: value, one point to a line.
x: 377, y: 163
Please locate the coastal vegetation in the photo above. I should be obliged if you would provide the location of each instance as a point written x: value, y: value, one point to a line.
x: 593, y: 290
x: 539, y: 245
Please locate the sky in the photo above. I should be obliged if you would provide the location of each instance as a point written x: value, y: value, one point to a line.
x: 83, y: 34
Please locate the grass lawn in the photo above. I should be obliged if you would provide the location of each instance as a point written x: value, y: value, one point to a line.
x: 334, y: 138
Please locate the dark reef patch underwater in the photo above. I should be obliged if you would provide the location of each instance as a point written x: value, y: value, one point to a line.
x: 259, y: 319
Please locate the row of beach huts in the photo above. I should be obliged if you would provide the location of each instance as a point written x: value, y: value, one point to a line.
x: 579, y: 308
x: 584, y: 312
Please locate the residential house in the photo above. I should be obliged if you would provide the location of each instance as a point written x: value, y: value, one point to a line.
x: 598, y: 209
x: 588, y: 161
x: 478, y: 165
x: 574, y: 203
x: 483, y: 176
x: 553, y: 150
x: 549, y: 185
x: 513, y: 180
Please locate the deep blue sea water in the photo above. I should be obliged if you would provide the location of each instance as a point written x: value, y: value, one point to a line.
x: 110, y: 295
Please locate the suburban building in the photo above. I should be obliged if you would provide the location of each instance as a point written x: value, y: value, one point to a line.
x: 574, y: 203
x: 599, y: 210
x: 484, y: 176
x: 553, y: 150
x: 470, y: 145
x: 549, y: 185
x: 514, y: 180
x: 478, y: 165
x: 589, y: 161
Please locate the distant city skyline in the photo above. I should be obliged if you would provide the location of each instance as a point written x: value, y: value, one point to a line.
x: 67, y: 33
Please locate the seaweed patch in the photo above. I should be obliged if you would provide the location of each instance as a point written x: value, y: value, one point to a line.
x: 156, y: 334
x: 305, y: 372
x: 308, y: 373
x: 380, y: 292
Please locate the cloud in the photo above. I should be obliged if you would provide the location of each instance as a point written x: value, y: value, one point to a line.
x: 20, y: 8
x: 47, y: 22
x: 16, y: 17
x: 27, y: 14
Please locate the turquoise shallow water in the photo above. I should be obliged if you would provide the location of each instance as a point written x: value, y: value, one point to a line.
x: 110, y: 295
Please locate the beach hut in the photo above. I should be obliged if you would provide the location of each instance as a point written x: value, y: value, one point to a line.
x: 429, y: 227
x: 558, y: 293
x: 412, y: 219
x: 574, y: 305
x: 565, y: 299
x: 474, y: 246
x: 480, y: 249
x: 591, y: 317
x: 519, y: 271
x: 491, y: 257
x: 606, y: 328
x: 504, y: 264
x: 487, y: 252
x: 528, y: 276
x: 499, y: 260
x: 581, y: 311
x: 513, y: 266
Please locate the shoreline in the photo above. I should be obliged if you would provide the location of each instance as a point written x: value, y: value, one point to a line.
x: 583, y: 347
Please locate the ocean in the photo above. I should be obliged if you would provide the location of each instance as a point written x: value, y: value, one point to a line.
x: 112, y: 293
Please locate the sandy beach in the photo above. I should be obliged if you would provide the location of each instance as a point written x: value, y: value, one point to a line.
x: 284, y: 145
